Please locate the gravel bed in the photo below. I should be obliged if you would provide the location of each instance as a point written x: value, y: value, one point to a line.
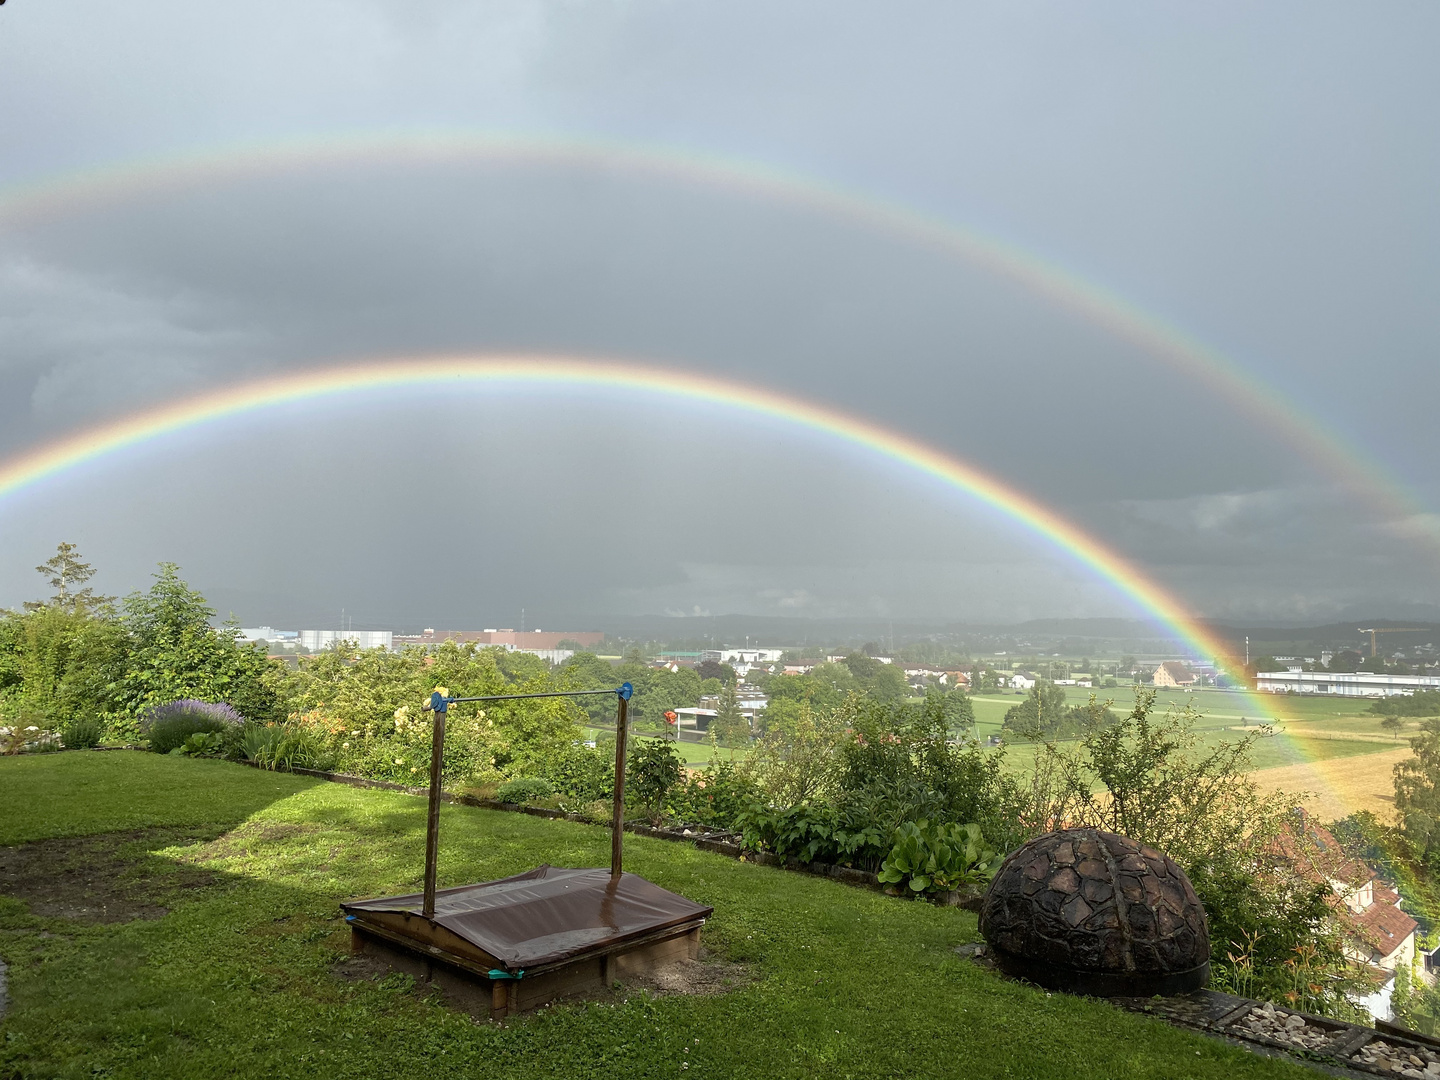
x: 1412, y: 1061
x: 1289, y: 1028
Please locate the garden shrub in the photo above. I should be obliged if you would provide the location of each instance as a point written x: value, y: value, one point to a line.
x: 286, y: 746
x: 82, y: 733
x: 581, y: 774
x: 932, y: 857
x: 812, y: 834
x: 525, y: 789
x: 899, y: 764
x: 653, y: 772
x: 258, y: 742
x: 168, y: 726
x: 203, y: 744
x: 716, y: 796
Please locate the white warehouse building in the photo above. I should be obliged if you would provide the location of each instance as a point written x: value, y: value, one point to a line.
x: 319, y: 640
x: 1343, y: 684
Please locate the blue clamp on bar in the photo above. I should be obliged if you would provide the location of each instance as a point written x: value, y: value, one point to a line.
x: 439, y: 702
x: 625, y: 691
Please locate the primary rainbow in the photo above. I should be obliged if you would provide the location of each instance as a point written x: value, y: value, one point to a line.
x: 1269, y: 406
x: 31, y: 468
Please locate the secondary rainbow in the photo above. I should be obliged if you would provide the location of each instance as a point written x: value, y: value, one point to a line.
x: 1270, y: 407
x: 51, y: 461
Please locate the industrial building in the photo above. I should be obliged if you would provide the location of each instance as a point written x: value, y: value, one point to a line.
x: 1343, y: 684
x: 319, y: 640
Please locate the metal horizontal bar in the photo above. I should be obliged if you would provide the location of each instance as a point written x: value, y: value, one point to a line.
x: 512, y: 697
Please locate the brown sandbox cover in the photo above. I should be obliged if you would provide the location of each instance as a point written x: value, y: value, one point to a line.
x: 548, y: 915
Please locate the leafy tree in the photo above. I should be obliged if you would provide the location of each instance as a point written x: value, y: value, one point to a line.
x: 1417, y: 792
x: 588, y: 671
x: 1420, y: 703
x: 884, y: 682
x: 1344, y: 661
x: 175, y: 653
x: 66, y: 573
x: 984, y: 680
x: 824, y: 688
x: 61, y: 661
x: 713, y: 669
x: 796, y: 755
x: 61, y: 665
x: 1044, y: 715
x: 956, y: 707
x: 1393, y: 724
x: 730, y: 726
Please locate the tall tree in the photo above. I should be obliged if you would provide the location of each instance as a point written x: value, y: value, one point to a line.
x: 176, y: 653
x: 731, y: 727
x: 1417, y: 792
x: 67, y: 574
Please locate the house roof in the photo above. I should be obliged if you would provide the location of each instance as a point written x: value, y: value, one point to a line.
x: 1178, y: 671
x: 1384, y: 927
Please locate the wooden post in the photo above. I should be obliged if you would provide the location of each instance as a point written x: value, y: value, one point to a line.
x: 618, y: 821
x: 438, y: 708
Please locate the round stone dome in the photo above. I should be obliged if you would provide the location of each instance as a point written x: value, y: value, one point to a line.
x: 1093, y: 912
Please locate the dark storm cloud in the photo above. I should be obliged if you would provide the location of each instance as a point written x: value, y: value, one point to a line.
x: 1264, y: 178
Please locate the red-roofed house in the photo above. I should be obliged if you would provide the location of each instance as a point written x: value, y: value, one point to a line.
x: 1381, y: 935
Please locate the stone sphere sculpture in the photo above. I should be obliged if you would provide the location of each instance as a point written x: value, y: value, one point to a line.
x: 1095, y: 913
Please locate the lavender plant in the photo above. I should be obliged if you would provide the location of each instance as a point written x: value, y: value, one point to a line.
x: 168, y: 726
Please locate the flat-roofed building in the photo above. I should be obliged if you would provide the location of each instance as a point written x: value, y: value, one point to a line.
x: 1344, y: 683
x: 318, y: 640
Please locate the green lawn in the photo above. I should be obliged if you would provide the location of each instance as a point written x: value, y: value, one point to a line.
x: 237, y: 980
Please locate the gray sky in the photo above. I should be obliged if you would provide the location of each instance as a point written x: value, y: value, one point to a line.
x: 1264, y: 178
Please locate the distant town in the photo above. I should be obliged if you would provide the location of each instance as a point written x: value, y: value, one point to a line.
x: 1333, y: 672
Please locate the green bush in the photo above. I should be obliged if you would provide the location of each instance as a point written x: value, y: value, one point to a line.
x: 581, y: 774
x: 203, y: 744
x: 716, y: 797
x: 936, y: 857
x: 811, y: 834
x: 82, y: 733
x: 526, y: 789
x: 285, y: 747
x: 655, y: 770
x: 168, y: 726
x: 258, y: 742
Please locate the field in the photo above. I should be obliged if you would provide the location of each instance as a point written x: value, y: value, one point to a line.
x: 182, y: 921
x: 1328, y: 747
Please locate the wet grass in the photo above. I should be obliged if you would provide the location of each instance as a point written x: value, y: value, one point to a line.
x: 238, y: 979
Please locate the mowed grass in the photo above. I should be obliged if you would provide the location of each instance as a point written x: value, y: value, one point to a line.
x: 238, y: 979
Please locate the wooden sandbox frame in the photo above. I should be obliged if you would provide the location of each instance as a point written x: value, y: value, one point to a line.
x: 503, y: 947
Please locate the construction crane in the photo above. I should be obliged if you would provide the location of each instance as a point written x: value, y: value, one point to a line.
x: 1373, y: 630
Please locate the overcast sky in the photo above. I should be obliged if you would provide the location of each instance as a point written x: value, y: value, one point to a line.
x: 1263, y: 177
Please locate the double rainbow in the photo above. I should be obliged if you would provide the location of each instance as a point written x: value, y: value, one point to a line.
x: 1270, y: 407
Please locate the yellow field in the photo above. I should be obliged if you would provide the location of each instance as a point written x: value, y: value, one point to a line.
x: 1341, y: 785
